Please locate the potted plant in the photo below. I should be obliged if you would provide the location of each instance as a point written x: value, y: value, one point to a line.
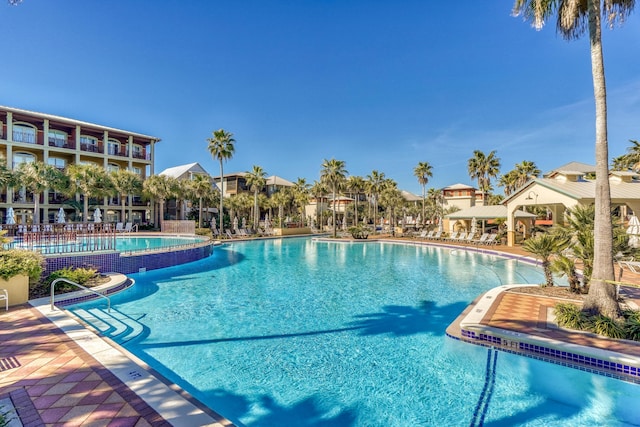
x: 17, y: 267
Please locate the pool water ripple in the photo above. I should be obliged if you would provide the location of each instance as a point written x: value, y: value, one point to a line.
x: 310, y: 333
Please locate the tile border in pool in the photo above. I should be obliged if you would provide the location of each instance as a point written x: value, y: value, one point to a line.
x: 134, y: 262
x: 595, y: 360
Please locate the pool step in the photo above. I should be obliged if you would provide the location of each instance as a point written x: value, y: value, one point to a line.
x: 115, y: 325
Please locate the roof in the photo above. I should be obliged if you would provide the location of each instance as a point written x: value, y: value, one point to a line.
x: 574, y: 168
x: 77, y: 122
x: 459, y: 187
x: 410, y: 197
x: 583, y: 189
x: 276, y: 180
x: 178, y: 171
x: 487, y: 212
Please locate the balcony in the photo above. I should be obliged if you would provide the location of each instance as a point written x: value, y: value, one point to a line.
x: 61, y: 143
x: 25, y: 137
x: 121, y: 152
x: 91, y: 148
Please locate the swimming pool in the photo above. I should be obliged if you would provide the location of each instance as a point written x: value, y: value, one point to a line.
x: 297, y: 332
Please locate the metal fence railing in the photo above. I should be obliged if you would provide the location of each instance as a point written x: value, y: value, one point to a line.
x: 62, y: 238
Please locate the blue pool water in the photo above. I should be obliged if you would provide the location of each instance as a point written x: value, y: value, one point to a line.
x: 303, y: 333
x: 145, y: 243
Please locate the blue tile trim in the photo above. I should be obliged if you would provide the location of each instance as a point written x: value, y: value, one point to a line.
x: 593, y: 365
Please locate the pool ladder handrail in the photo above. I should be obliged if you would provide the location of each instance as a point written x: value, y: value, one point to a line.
x: 71, y: 282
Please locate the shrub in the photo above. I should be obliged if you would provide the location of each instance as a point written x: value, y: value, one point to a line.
x: 204, y: 232
x: 14, y: 262
x: 632, y: 328
x: 606, y: 326
x: 358, y: 232
x: 571, y: 316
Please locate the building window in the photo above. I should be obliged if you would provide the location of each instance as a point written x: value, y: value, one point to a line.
x: 113, y: 147
x: 138, y: 151
x: 88, y: 143
x: 57, y: 138
x: 57, y: 162
x: 19, y: 158
x: 24, y: 133
x: 136, y: 170
x: 111, y: 167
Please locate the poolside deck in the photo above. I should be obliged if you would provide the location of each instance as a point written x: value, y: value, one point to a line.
x: 53, y: 381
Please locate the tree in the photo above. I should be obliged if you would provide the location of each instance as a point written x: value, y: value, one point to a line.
x: 256, y: 179
x: 375, y: 181
x: 391, y: 198
x: 301, y: 196
x: 125, y: 183
x: 221, y: 147
x: 36, y: 177
x: 483, y: 167
x: 90, y: 180
x: 201, y: 188
x: 281, y: 199
x: 356, y: 185
x: 544, y: 245
x: 631, y: 160
x: 318, y: 191
x: 159, y: 188
x: 423, y: 173
x: 333, y: 173
x: 575, y: 18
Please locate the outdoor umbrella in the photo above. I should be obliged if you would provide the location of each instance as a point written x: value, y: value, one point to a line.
x: 97, y: 215
x: 61, y: 219
x: 235, y: 223
x: 633, y: 230
x: 11, y: 218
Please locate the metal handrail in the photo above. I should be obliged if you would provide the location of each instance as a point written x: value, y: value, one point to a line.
x: 63, y: 279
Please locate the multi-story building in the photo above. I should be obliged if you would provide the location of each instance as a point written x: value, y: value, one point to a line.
x: 27, y: 136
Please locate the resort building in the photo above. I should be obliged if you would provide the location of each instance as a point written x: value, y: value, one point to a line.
x: 28, y: 136
x: 461, y: 196
x: 180, y: 209
x: 236, y: 183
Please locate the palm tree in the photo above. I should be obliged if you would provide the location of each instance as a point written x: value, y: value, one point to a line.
x: 333, y: 173
x: 281, y: 199
x: 391, y: 198
x: 356, y: 185
x: 483, y: 167
x: 318, y: 191
x: 509, y: 181
x: 435, y: 198
x: 90, y: 180
x: 301, y: 196
x: 256, y: 179
x: 423, y: 173
x: 575, y: 18
x: 631, y: 160
x: 201, y: 188
x: 544, y: 245
x: 159, y: 188
x: 525, y: 171
x: 125, y: 183
x: 36, y: 177
x: 375, y: 182
x: 221, y: 148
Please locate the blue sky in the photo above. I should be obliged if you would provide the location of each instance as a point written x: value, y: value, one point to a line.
x: 379, y: 84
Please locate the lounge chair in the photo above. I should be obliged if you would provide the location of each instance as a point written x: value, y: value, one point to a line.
x: 437, y: 235
x: 227, y: 233
x: 453, y: 237
x: 128, y: 227
x: 424, y: 235
x: 461, y: 237
x: 491, y: 240
x: 469, y: 238
x: 633, y: 266
x: 482, y: 239
x: 119, y: 227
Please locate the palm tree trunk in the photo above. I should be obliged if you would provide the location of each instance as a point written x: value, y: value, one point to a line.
x: 36, y: 208
x: 602, y: 295
x: 221, y: 197
x: 335, y: 234
x: 122, y: 208
x: 200, y: 213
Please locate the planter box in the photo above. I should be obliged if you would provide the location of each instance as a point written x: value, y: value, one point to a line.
x: 291, y: 231
x: 18, y: 289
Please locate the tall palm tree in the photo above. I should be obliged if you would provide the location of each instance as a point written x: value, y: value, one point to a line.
x: 333, y: 173
x: 159, y: 188
x: 221, y: 147
x: 36, y: 177
x: 318, y: 191
x: 391, y: 198
x: 631, y: 160
x: 256, y: 179
x: 89, y: 180
x: 483, y: 167
x: 281, y: 199
x: 423, y: 173
x: 375, y: 181
x: 574, y: 19
x: 301, y: 196
x: 201, y: 188
x: 125, y: 183
x: 436, y: 199
x: 356, y: 185
x: 525, y: 171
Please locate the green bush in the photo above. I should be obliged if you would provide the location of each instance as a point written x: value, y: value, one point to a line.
x: 571, y: 316
x: 78, y: 275
x: 204, y: 232
x: 606, y: 326
x: 14, y: 262
x: 632, y: 328
x: 358, y: 232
